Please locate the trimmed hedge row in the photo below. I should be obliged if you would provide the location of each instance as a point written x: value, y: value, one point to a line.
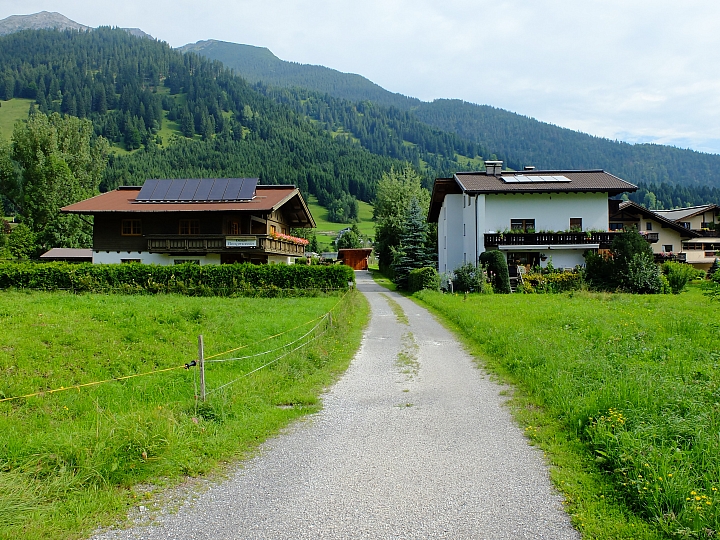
x: 423, y: 278
x: 553, y: 283
x: 190, y: 279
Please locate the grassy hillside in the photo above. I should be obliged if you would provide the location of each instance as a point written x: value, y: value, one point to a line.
x: 327, y: 230
x: 10, y: 112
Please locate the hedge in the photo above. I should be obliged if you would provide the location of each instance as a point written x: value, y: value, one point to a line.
x: 423, y: 278
x: 190, y: 279
x: 497, y: 268
x: 552, y: 283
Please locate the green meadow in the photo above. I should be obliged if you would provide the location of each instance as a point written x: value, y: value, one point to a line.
x: 621, y: 391
x: 72, y: 460
x: 327, y: 230
x: 10, y: 112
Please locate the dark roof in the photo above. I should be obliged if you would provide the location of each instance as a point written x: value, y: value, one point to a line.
x: 590, y: 181
x: 267, y: 199
x: 577, y: 181
x: 629, y: 206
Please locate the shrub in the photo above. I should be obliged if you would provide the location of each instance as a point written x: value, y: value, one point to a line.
x: 423, y: 278
x: 469, y: 278
x: 678, y: 275
x: 188, y: 279
x: 497, y: 268
x: 21, y: 242
x: 552, y: 283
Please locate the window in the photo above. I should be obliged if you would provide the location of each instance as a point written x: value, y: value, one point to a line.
x: 273, y: 229
x: 234, y: 227
x: 576, y: 224
x: 463, y: 229
x: 131, y: 227
x: 189, y: 226
x: 185, y: 261
x: 616, y: 226
x: 667, y: 248
x: 525, y: 225
x: 130, y: 260
x: 648, y: 226
x: 707, y: 225
x: 685, y: 224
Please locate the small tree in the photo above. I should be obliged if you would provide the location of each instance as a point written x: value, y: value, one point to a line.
x: 469, y: 278
x: 349, y: 240
x: 497, y: 267
x: 21, y: 242
x: 411, y: 252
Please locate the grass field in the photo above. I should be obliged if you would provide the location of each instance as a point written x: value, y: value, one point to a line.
x: 327, y: 230
x: 69, y: 460
x: 10, y: 112
x: 621, y: 391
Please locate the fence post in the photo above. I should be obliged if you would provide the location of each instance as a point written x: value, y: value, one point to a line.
x: 201, y: 363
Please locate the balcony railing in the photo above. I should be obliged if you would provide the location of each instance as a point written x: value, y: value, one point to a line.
x: 220, y: 243
x: 665, y: 257
x: 556, y: 239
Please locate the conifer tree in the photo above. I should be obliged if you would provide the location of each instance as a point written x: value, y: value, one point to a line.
x: 411, y: 253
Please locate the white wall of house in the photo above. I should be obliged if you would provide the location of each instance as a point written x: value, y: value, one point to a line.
x: 551, y: 212
x: 113, y: 257
x: 451, y: 243
x: 464, y: 220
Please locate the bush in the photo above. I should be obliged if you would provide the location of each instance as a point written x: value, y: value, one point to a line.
x: 552, y: 283
x: 21, y: 242
x: 678, y: 275
x: 423, y: 278
x: 469, y: 278
x: 188, y: 279
x: 497, y: 269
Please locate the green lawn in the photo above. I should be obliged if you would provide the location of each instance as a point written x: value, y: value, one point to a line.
x: 69, y: 461
x: 623, y: 394
x: 10, y: 112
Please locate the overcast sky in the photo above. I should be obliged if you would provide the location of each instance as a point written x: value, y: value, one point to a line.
x: 634, y: 70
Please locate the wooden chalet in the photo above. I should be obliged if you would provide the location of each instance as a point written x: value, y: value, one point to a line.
x: 206, y: 221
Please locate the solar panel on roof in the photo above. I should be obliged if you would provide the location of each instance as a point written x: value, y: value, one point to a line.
x: 188, y: 191
x: 233, y: 189
x: 533, y: 179
x: 247, y: 191
x: 218, y: 189
x: 203, y: 190
x: 160, y: 191
x: 147, y: 190
x: 173, y: 192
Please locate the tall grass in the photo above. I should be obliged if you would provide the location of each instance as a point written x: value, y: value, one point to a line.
x: 634, y: 379
x: 69, y: 460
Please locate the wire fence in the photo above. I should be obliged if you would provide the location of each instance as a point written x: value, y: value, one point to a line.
x: 215, y: 358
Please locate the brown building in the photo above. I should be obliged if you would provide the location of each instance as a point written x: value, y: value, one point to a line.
x: 208, y: 221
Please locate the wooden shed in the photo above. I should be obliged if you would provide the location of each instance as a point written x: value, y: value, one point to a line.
x: 357, y: 259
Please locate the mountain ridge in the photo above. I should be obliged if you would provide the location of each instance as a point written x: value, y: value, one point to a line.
x: 51, y: 20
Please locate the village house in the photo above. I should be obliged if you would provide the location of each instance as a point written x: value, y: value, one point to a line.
x: 533, y: 216
x: 205, y: 221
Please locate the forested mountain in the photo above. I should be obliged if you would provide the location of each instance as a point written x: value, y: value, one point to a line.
x: 259, y: 64
x: 47, y: 20
x: 127, y: 86
x: 517, y: 139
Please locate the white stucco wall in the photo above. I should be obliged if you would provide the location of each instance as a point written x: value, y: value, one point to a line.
x: 113, y: 257
x: 451, y: 243
x: 551, y: 212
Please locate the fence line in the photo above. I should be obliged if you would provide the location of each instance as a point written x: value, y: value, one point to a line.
x: 193, y: 363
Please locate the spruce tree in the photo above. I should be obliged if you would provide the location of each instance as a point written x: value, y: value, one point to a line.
x: 411, y: 252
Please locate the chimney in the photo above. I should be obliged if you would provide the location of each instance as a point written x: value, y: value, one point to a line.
x: 493, y: 168
x: 529, y: 168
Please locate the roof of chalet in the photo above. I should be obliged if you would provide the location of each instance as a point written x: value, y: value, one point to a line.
x: 553, y: 181
x: 632, y: 207
x: 68, y: 253
x: 266, y: 199
x: 677, y: 214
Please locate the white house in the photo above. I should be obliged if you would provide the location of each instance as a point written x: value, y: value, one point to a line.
x: 533, y: 216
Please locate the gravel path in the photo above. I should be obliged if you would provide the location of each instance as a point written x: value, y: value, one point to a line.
x: 412, y: 442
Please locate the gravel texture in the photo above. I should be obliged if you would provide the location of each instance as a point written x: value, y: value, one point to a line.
x: 413, y: 442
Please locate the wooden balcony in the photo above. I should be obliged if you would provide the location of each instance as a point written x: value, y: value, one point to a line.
x: 604, y: 239
x: 220, y: 243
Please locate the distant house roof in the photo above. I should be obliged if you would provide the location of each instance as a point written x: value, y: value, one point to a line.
x: 631, y: 207
x: 531, y: 181
x: 689, y: 211
x: 68, y: 254
x: 266, y: 199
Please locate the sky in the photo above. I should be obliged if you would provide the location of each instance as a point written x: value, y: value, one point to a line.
x: 632, y: 70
